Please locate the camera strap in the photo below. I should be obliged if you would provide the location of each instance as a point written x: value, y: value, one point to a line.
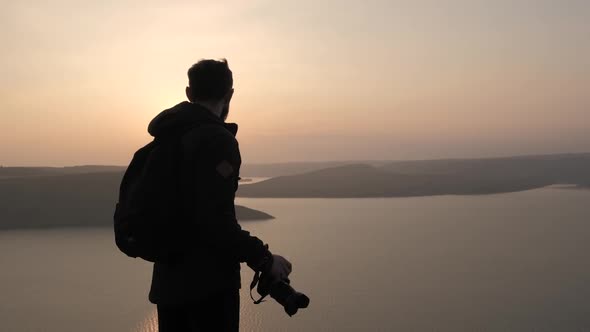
x: 253, y: 284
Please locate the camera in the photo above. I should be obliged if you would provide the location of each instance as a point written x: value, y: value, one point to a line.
x: 288, y: 297
x: 285, y: 295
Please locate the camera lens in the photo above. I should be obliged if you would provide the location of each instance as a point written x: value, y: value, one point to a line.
x: 290, y: 299
x: 295, y: 302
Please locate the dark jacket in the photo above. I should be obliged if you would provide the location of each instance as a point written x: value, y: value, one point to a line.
x: 209, y: 174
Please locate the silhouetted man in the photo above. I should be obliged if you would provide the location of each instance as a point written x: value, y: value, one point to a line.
x: 200, y: 291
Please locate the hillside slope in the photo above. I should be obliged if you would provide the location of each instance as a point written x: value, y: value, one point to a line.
x: 429, y: 177
x: 85, y: 199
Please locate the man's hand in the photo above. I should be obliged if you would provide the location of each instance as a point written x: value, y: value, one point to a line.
x: 279, y: 269
x: 275, y: 269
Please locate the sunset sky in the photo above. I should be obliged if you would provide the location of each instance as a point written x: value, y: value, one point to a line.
x: 314, y: 80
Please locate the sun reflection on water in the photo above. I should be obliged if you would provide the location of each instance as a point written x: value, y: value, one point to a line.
x: 149, y: 323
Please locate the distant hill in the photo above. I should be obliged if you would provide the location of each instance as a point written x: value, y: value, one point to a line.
x: 79, y: 199
x: 429, y: 177
x: 314, y: 179
x: 292, y: 168
x: 247, y: 170
x: 10, y: 172
x: 569, y: 168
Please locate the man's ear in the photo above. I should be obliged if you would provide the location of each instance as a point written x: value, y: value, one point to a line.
x: 189, y: 94
x: 228, y: 95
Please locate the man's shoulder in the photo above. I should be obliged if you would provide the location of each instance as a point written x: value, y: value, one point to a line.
x: 209, y: 135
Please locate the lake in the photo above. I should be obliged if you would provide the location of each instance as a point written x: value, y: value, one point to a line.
x: 506, y: 262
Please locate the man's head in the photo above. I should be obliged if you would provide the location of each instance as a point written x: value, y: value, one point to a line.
x: 210, y: 83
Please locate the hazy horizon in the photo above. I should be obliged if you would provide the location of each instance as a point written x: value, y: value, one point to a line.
x: 329, y: 161
x: 315, y: 81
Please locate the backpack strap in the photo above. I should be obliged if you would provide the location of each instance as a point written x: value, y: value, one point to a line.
x: 177, y: 154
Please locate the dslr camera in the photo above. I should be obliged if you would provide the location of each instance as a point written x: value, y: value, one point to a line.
x: 285, y: 295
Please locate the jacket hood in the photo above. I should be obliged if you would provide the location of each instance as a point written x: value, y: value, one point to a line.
x: 182, y: 116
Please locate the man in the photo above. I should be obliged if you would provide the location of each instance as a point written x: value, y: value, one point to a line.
x: 200, y: 291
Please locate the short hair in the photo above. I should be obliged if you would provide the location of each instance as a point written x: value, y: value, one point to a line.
x: 210, y: 79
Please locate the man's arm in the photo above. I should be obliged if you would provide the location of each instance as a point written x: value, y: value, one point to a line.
x: 216, y: 181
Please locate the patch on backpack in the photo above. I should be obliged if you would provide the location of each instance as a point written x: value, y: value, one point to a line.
x: 224, y: 169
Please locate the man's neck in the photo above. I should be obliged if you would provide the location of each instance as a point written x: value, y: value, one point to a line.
x: 214, y: 109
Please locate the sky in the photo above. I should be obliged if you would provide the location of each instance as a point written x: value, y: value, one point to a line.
x: 314, y: 80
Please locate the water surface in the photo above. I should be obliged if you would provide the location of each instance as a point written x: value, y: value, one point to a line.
x: 508, y: 262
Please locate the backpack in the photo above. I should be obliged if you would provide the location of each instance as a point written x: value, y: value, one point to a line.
x: 148, y: 215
